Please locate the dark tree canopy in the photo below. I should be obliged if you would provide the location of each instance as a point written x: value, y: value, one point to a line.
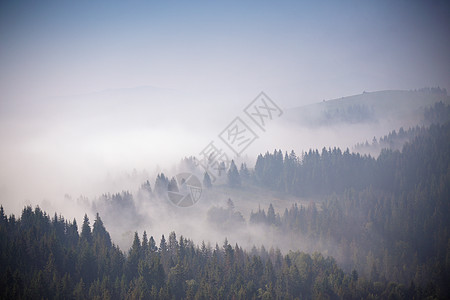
x: 60, y: 269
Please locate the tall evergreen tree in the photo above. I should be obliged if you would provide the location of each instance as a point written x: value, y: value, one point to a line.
x: 244, y: 172
x: 86, y: 234
x: 161, y: 184
x: 234, y: 179
x: 99, y: 232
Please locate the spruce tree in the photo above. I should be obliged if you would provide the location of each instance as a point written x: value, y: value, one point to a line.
x: 86, y: 234
x: 234, y: 179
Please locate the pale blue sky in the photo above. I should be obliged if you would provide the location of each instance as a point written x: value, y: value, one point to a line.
x: 297, y: 51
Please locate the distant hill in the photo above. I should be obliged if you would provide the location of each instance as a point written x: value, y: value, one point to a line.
x: 404, y: 108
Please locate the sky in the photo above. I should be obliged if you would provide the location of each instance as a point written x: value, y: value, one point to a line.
x: 298, y: 51
x: 99, y: 85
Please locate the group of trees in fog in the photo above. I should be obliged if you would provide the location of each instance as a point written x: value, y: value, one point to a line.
x: 46, y: 258
x: 315, y: 173
x: 384, y: 219
x: 318, y: 173
x: 356, y: 113
x: 437, y: 114
x: 393, y: 232
x: 391, y: 224
x: 394, y: 140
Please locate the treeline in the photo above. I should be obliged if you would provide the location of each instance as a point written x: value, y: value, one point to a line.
x: 46, y: 258
x: 396, y: 227
x: 333, y: 171
x: 356, y: 113
x: 439, y: 113
x: 433, y: 90
x: 314, y: 173
x: 393, y: 140
x: 317, y: 173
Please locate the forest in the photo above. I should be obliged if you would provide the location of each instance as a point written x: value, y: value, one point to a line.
x: 48, y: 258
x: 385, y: 220
x: 224, y: 150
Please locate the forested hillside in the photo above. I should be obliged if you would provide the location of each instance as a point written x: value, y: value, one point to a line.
x: 370, y: 107
x: 46, y: 258
x: 334, y: 171
x: 439, y: 113
x: 224, y: 150
x: 387, y: 217
x: 374, y: 228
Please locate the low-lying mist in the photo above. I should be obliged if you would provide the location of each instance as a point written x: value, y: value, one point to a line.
x: 72, y: 155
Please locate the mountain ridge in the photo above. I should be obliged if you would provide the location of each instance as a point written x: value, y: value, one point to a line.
x: 378, y: 106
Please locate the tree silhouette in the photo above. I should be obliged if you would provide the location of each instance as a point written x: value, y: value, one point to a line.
x: 234, y: 180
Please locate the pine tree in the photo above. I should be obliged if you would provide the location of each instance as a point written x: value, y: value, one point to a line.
x: 173, y: 186
x: 134, y: 256
x: 3, y: 218
x: 271, y: 214
x: 234, y: 179
x: 163, y: 245
x: 161, y: 184
x: 145, y: 191
x: 99, y: 232
x: 152, y: 245
x: 244, y: 172
x: 86, y: 234
x: 145, y: 246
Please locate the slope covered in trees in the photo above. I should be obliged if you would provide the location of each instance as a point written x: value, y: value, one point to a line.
x: 333, y: 171
x: 406, y: 107
x: 386, y: 217
x: 383, y: 221
x: 46, y: 258
x: 439, y: 113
